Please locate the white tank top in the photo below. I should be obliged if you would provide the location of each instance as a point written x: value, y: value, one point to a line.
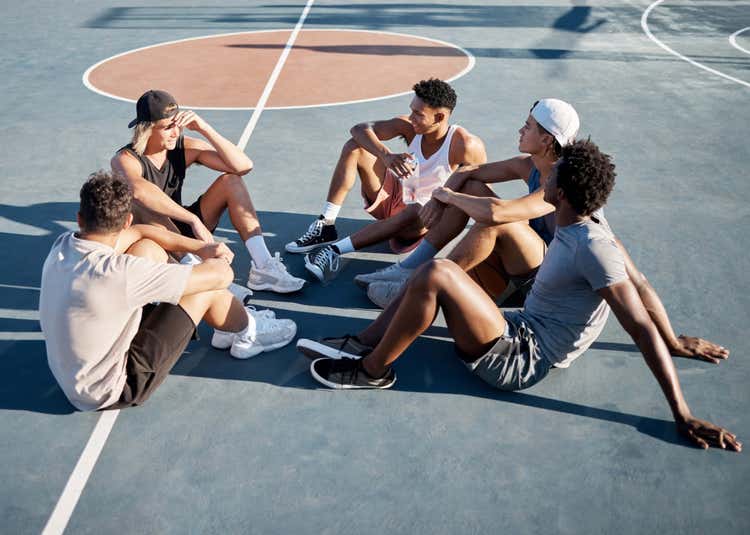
x: 431, y: 172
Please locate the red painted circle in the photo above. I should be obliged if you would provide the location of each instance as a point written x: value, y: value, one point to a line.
x: 324, y: 67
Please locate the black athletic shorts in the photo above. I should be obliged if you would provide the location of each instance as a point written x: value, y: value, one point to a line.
x: 163, y: 335
x: 184, y: 228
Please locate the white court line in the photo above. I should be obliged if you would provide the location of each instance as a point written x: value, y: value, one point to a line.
x: 647, y: 31
x: 260, y: 106
x: 733, y: 40
x: 58, y: 520
x: 66, y: 504
x: 92, y: 87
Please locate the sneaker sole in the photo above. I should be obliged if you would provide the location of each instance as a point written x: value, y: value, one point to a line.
x: 274, y: 288
x: 316, y: 350
x: 306, y: 248
x: 338, y: 386
x: 265, y: 349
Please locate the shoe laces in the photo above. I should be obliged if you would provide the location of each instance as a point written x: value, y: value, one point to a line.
x: 313, y: 231
x: 327, y: 257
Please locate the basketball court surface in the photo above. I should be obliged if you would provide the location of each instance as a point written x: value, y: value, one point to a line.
x: 229, y: 446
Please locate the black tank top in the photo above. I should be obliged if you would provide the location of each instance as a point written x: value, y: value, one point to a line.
x: 172, y: 174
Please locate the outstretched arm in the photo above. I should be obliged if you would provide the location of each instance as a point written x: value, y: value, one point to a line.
x: 495, y: 211
x: 624, y: 300
x: 518, y: 167
x: 679, y: 346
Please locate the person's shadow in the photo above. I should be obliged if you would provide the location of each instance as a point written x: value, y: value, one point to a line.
x: 428, y: 366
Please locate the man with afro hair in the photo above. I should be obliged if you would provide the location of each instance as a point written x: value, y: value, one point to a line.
x: 582, y: 276
x: 434, y: 147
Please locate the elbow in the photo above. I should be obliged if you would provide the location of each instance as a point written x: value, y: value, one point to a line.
x: 497, y: 213
x: 357, y: 129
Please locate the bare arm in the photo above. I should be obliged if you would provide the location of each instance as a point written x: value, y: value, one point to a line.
x: 494, y: 211
x: 632, y: 315
x: 680, y: 346
x: 146, y: 193
x: 171, y: 241
x: 217, y: 153
x: 369, y: 136
x: 515, y: 168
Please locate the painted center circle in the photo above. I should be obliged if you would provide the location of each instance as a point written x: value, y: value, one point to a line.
x: 324, y: 67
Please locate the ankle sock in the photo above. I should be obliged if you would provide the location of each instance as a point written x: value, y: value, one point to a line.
x: 425, y: 251
x: 344, y: 246
x: 256, y: 246
x: 330, y: 213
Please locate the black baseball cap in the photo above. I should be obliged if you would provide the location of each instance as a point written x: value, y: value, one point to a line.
x: 152, y: 106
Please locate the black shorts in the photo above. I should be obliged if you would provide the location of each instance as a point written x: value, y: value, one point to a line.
x: 184, y: 228
x: 163, y: 335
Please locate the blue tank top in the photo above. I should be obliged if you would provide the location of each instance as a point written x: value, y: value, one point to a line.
x: 544, y: 225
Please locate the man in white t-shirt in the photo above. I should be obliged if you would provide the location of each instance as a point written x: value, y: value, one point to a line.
x: 583, y: 274
x: 108, y: 344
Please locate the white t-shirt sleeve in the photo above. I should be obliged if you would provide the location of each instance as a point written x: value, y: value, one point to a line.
x: 601, y: 263
x: 147, y: 281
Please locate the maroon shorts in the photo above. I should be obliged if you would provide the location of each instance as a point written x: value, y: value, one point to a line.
x: 389, y: 202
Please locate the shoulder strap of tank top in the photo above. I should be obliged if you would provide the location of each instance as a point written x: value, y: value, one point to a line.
x: 534, y: 181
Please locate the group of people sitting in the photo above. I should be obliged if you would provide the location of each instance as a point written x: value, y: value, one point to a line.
x: 122, y: 296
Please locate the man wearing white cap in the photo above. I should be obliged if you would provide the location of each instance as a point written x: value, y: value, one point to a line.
x: 511, y: 236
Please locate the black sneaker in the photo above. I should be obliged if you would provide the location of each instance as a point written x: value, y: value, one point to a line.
x: 344, y: 346
x: 318, y: 234
x: 347, y: 374
x: 324, y: 263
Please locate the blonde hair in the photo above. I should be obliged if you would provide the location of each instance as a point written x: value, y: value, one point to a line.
x: 141, y: 133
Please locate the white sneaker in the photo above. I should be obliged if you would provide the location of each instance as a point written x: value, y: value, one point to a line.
x: 383, y: 292
x: 273, y: 276
x: 393, y: 273
x: 270, y: 334
x: 224, y: 339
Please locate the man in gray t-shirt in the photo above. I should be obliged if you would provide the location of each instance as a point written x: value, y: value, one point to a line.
x: 582, y: 276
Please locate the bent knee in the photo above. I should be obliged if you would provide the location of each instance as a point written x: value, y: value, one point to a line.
x: 147, y: 248
x: 436, y: 273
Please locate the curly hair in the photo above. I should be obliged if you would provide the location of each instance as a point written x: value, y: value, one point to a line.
x: 436, y: 93
x: 106, y: 199
x: 586, y: 175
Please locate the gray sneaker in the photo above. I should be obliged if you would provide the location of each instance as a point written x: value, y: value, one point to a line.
x: 324, y: 263
x: 383, y: 293
x: 347, y: 374
x: 393, y: 273
x: 344, y: 346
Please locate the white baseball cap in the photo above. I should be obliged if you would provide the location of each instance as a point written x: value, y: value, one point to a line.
x: 558, y: 118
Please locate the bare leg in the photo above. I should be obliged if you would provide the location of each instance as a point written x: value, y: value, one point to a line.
x: 455, y: 220
x: 405, y: 224
x: 518, y: 247
x: 229, y: 192
x: 472, y: 317
x: 353, y: 161
x: 219, y: 308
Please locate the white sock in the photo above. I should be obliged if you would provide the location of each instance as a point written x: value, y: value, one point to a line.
x: 251, y: 329
x: 330, y: 212
x: 345, y: 245
x: 256, y: 246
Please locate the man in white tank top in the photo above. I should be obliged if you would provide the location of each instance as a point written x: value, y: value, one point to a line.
x: 437, y: 147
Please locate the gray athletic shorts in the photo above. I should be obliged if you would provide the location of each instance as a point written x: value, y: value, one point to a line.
x: 514, y: 362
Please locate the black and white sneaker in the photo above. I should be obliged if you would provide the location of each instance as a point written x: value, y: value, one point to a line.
x: 324, y: 263
x: 347, y: 346
x: 318, y: 234
x: 348, y: 374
